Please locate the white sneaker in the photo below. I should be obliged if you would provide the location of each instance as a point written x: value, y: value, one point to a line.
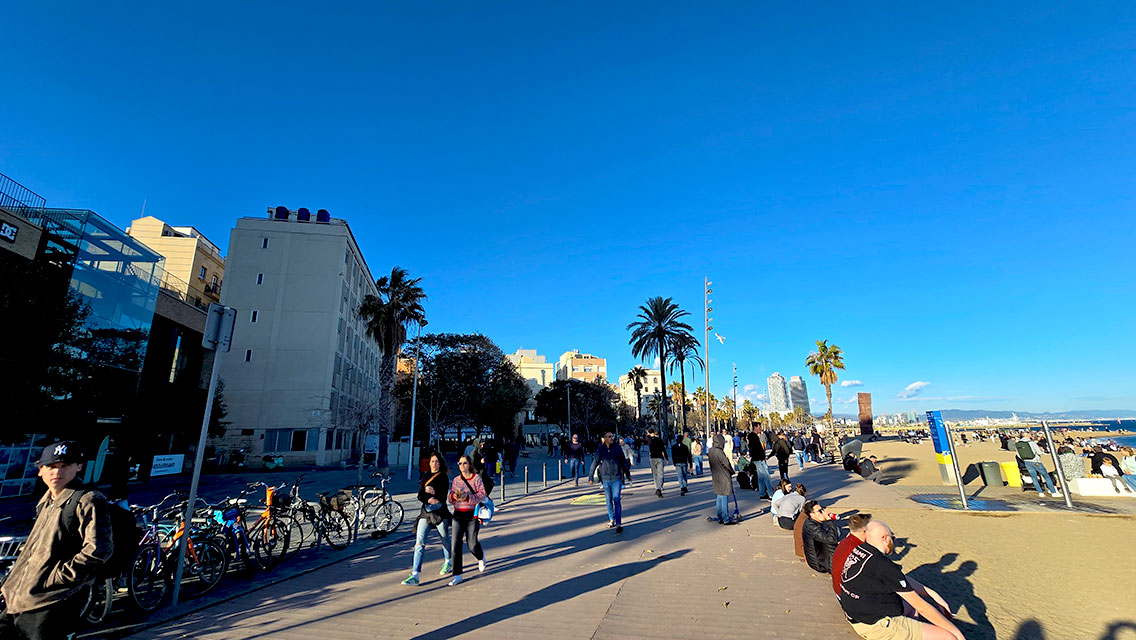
x: 1040, y: 494
x: 1057, y: 494
x: 456, y: 581
x: 481, y: 565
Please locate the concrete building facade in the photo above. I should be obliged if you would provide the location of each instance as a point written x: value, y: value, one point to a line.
x: 194, y: 266
x: 536, y: 371
x: 581, y: 366
x: 651, y: 386
x: 778, y: 393
x: 799, y: 393
x: 302, y: 377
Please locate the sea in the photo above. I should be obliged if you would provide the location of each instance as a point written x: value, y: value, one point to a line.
x: 1100, y: 425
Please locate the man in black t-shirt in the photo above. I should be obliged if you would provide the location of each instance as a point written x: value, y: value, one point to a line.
x: 658, y: 451
x: 873, y: 590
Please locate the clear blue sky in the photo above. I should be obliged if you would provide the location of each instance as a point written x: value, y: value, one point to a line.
x: 945, y: 192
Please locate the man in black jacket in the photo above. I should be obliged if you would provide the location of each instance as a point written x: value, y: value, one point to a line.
x: 680, y: 457
x: 821, y: 536
x: 658, y: 459
x: 764, y: 484
x: 783, y: 450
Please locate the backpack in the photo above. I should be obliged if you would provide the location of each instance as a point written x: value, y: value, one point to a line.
x: 124, y: 534
x: 1025, y: 451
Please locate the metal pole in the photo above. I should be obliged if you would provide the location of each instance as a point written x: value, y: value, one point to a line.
x: 1057, y: 464
x: 735, y: 396
x: 414, y: 400
x: 955, y: 462
x: 568, y: 398
x: 502, y: 477
x: 706, y: 352
x: 559, y: 471
x: 526, y: 479
x: 199, y: 458
x: 544, y: 473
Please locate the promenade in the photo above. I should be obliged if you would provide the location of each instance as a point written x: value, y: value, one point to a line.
x: 556, y: 571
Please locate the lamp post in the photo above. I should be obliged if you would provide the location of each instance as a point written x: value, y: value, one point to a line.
x: 706, y: 348
x: 414, y: 397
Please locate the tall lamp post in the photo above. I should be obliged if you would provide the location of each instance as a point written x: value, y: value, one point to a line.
x: 414, y: 398
x: 706, y: 347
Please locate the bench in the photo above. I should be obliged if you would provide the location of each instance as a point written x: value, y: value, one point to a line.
x: 1098, y: 487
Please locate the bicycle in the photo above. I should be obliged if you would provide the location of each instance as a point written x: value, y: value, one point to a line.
x: 263, y: 545
x: 328, y: 523
x: 376, y: 511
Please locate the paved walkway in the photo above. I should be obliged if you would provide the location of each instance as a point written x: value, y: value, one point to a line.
x: 555, y: 570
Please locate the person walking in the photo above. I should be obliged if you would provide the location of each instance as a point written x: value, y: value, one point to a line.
x: 680, y: 457
x: 466, y: 492
x: 799, y: 446
x: 764, y: 484
x: 70, y: 541
x: 613, y: 468
x: 432, y: 489
x: 722, y: 475
x: 658, y: 453
x: 696, y: 451
x: 782, y: 450
x: 574, y: 458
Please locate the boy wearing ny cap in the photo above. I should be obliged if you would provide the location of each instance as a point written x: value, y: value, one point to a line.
x: 44, y: 589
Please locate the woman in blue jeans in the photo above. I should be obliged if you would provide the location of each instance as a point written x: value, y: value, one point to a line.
x: 612, y: 468
x: 432, y: 489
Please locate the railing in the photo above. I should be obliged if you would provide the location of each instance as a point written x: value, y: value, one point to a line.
x: 16, y: 197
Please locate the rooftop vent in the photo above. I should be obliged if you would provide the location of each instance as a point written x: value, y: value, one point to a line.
x: 303, y: 215
x: 323, y: 216
x: 281, y: 213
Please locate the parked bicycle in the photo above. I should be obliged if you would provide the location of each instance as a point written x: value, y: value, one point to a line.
x: 324, y: 520
x: 378, y: 513
x: 262, y: 545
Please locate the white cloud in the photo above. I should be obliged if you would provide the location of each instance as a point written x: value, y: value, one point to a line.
x: 851, y: 383
x: 912, y: 390
x: 753, y: 393
x: 851, y: 400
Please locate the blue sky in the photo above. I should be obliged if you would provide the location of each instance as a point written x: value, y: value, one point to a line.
x: 946, y: 192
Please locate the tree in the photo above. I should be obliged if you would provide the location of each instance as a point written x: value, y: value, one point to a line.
x: 677, y: 398
x: 749, y: 411
x: 823, y: 363
x: 593, y: 405
x: 685, y: 348
x: 637, y: 376
x: 387, y: 316
x: 659, y: 326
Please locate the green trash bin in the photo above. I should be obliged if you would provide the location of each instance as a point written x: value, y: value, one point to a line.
x: 991, y: 473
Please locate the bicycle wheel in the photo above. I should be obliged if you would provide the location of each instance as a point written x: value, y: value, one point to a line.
x: 146, y: 582
x: 204, y: 571
x: 387, y: 517
x: 269, y: 541
x: 336, y: 529
x: 100, y: 598
x: 302, y: 529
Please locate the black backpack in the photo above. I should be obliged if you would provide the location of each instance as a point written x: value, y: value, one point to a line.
x: 125, y: 534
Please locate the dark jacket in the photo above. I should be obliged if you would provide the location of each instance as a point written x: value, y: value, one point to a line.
x: 55, y: 563
x: 657, y: 447
x: 681, y: 455
x: 867, y: 467
x: 820, y: 540
x: 756, y: 449
x: 611, y: 463
x: 574, y: 451
x: 721, y: 470
x: 782, y: 449
x: 441, y: 484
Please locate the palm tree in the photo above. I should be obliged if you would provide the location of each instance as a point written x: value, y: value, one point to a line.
x: 637, y: 376
x: 398, y: 305
x: 685, y: 348
x: 749, y: 411
x: 658, y: 327
x: 823, y: 363
x: 654, y: 405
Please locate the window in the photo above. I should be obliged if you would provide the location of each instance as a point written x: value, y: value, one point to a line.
x: 213, y: 280
x: 246, y: 432
x: 276, y: 440
x: 201, y: 274
x: 260, y: 278
x: 254, y: 314
x: 264, y: 243
x: 248, y: 355
x: 329, y: 440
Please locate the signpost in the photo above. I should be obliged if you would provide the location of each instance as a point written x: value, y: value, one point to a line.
x: 945, y: 453
x: 218, y: 337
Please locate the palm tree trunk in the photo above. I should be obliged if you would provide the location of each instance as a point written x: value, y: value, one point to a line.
x: 386, y: 405
x: 828, y: 393
x: 666, y: 426
x: 682, y: 374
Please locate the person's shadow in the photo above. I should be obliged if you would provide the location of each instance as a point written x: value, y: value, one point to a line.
x: 956, y: 588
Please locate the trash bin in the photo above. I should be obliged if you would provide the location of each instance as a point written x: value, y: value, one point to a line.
x: 1013, y: 476
x: 991, y: 473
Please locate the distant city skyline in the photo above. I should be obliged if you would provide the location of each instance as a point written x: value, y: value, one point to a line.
x: 951, y: 205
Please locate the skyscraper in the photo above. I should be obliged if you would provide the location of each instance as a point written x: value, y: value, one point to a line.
x: 799, y: 393
x: 778, y: 393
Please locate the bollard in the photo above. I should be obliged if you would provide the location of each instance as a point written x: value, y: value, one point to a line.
x: 502, y: 488
x: 526, y: 479
x: 544, y: 473
x: 559, y: 471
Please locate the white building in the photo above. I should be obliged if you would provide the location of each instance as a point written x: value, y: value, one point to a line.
x: 650, y: 387
x: 538, y: 373
x: 302, y: 373
x: 799, y: 393
x: 778, y: 393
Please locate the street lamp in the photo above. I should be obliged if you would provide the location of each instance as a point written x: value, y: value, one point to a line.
x: 414, y: 397
x: 706, y: 348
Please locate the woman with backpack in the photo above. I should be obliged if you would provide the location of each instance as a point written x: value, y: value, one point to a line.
x: 466, y: 492
x: 432, y: 489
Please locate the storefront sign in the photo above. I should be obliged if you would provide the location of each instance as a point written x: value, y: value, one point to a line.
x: 167, y: 465
x: 8, y: 231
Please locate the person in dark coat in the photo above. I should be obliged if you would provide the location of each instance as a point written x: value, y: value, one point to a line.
x: 820, y: 535
x: 680, y: 457
x: 783, y: 450
x: 722, y: 474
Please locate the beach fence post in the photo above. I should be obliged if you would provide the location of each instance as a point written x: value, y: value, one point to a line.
x: 958, y: 474
x: 1057, y: 464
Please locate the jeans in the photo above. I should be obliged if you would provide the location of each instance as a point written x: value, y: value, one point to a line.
x: 764, y: 483
x: 575, y: 469
x: 722, y: 503
x: 697, y: 460
x: 783, y: 468
x: 613, y: 489
x: 59, y: 620
x: 800, y: 459
x: 682, y: 470
x: 1036, y: 469
x: 657, y: 472
x: 1131, y: 480
x: 422, y: 529
x: 467, y: 526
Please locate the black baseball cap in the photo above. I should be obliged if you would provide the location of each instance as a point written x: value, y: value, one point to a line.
x: 65, y: 451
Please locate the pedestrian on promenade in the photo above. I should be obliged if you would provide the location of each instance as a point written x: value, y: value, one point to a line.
x: 799, y: 450
x: 1031, y: 454
x: 821, y: 536
x: 623, y: 444
x: 658, y: 453
x: 782, y: 449
x: 873, y: 589
x: 789, y: 506
x: 696, y: 455
x: 574, y: 458
x: 764, y: 484
x: 44, y: 591
x: 466, y: 492
x: 680, y: 457
x: 722, y: 475
x: 857, y: 526
x: 613, y: 468
x: 432, y: 488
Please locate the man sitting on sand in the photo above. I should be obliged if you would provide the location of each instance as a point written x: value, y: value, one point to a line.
x: 869, y: 470
x: 857, y: 525
x: 873, y: 590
